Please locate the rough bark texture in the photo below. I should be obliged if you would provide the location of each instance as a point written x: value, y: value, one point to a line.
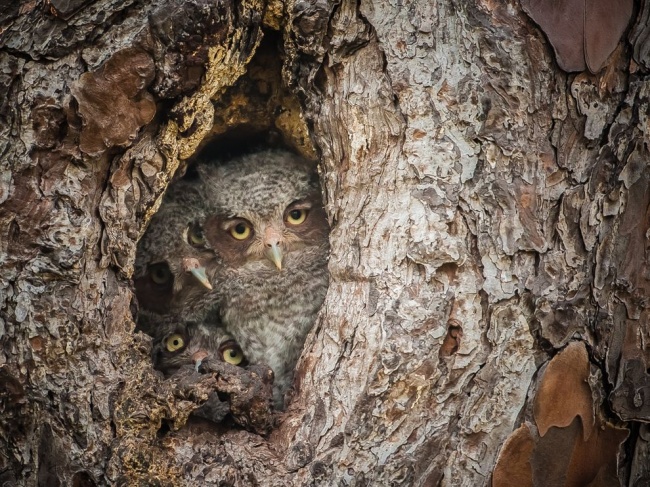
x: 487, y: 318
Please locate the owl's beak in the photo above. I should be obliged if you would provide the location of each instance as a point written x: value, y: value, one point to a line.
x: 198, y: 357
x: 192, y: 265
x: 274, y: 254
x: 200, y: 274
x: 272, y: 239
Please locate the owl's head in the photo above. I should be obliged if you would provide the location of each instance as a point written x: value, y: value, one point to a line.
x: 262, y: 209
x: 171, y: 262
x: 189, y: 343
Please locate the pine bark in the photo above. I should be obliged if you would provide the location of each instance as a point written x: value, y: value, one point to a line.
x: 487, y: 317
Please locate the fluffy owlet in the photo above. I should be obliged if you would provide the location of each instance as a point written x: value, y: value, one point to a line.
x: 170, y: 268
x: 190, y: 343
x: 267, y: 224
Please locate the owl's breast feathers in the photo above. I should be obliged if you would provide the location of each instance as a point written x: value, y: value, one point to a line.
x: 269, y: 310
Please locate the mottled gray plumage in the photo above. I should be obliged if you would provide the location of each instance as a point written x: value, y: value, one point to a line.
x: 171, y: 259
x: 272, y: 280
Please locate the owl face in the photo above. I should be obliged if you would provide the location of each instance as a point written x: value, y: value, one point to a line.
x: 171, y: 261
x: 267, y: 241
x: 264, y: 216
x: 190, y: 343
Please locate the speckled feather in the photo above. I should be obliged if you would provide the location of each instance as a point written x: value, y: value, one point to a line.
x: 269, y: 311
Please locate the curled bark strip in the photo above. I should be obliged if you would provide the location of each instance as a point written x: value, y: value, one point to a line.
x: 513, y: 465
x: 640, y: 36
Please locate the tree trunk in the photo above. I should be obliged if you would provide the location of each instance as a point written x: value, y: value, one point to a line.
x: 487, y: 316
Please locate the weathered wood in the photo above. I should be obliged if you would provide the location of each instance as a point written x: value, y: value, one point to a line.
x: 489, y: 213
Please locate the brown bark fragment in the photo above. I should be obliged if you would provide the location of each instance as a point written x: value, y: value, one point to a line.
x: 564, y: 391
x: 552, y: 454
x: 583, y: 34
x: 595, y: 461
x: 563, y: 456
x: 513, y: 465
x: 113, y: 103
x: 604, y: 27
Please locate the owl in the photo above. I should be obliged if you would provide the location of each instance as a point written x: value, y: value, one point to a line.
x: 266, y: 223
x: 178, y: 343
x: 170, y: 267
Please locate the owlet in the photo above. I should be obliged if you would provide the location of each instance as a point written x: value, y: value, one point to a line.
x: 266, y: 224
x: 170, y: 268
x: 179, y: 343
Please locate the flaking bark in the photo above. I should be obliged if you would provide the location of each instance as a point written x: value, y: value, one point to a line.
x: 488, y: 210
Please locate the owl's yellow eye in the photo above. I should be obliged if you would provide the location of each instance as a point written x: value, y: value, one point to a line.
x: 233, y: 355
x: 160, y: 274
x: 297, y: 216
x: 241, y: 231
x: 174, y: 342
x: 195, y: 236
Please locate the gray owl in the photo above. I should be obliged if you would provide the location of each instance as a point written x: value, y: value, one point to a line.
x: 267, y: 225
x: 179, y: 343
x: 171, y: 261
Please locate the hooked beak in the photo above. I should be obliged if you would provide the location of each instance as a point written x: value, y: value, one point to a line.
x: 200, y: 274
x: 272, y: 240
x: 274, y: 254
x: 192, y: 265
